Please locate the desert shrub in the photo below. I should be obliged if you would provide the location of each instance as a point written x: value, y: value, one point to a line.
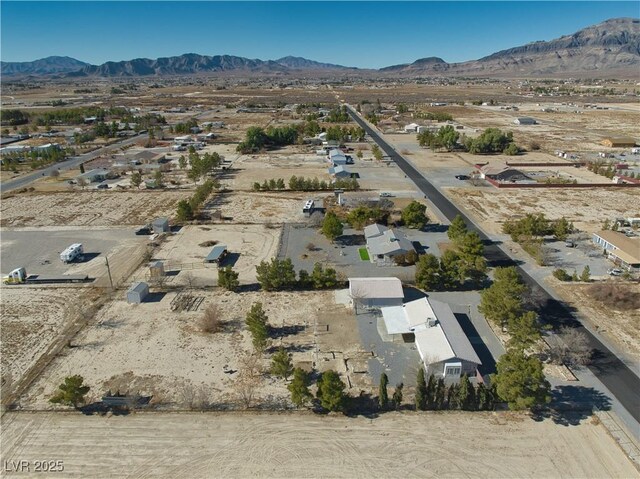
x: 211, y: 320
x: 616, y: 295
x: 561, y: 274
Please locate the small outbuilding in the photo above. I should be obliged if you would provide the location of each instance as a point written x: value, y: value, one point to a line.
x: 375, y: 292
x: 160, y: 225
x: 217, y: 254
x: 619, y: 142
x: 137, y: 292
x: 156, y: 269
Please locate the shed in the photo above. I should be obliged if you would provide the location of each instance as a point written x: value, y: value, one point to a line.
x: 137, y: 292
x: 376, y: 292
x: 619, y: 142
x: 160, y: 225
x: 156, y: 269
x: 217, y: 254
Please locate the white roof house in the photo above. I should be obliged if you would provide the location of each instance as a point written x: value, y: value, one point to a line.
x: 411, y: 127
x: 376, y: 292
x: 443, y: 346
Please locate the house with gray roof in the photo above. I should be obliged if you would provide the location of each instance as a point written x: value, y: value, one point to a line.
x: 384, y: 244
x: 339, y: 172
x: 444, y: 348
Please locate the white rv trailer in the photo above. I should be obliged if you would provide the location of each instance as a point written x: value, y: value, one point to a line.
x: 71, y: 253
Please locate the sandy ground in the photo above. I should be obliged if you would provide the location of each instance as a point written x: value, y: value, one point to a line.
x: 303, y: 445
x: 587, y: 208
x: 183, y: 252
x: 262, y: 208
x: 621, y: 327
x: 31, y: 320
x: 84, y: 208
x: 152, y: 350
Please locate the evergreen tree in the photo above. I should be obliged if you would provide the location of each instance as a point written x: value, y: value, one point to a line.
x: 397, y: 396
x: 71, y: 392
x: 431, y: 392
x: 421, y: 391
x: 440, y: 394
x: 428, y: 273
x: 457, y: 230
x: 413, y: 215
x: 383, y: 397
x: 281, y: 364
x: 520, y: 380
x: 524, y: 330
x: 228, y: 278
x: 331, y: 391
x: 299, y: 387
x: 453, y: 397
x: 184, y: 211
x: 256, y: 321
x: 331, y: 226
x: 586, y: 274
x: 502, y: 301
x: 466, y: 394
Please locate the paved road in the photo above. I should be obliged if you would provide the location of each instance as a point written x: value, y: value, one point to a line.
x: 623, y: 383
x: 72, y: 162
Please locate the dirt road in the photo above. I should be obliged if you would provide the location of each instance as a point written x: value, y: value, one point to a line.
x: 304, y: 445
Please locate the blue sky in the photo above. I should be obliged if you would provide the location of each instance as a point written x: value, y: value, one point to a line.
x: 361, y: 34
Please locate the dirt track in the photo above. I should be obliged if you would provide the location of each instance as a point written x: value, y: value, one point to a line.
x: 304, y: 445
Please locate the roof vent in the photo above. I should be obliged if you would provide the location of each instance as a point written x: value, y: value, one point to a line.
x: 431, y: 322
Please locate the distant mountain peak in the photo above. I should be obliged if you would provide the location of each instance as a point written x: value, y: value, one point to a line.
x: 300, y: 63
x: 43, y: 66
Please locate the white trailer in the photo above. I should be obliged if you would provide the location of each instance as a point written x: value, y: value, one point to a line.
x: 71, y: 253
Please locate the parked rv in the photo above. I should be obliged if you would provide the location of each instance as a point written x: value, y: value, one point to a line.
x: 72, y: 253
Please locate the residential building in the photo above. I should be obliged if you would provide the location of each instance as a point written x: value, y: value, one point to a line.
x: 621, y: 249
x: 443, y: 346
x: 385, y: 244
x: 502, y: 172
x: 94, y: 176
x: 339, y: 172
x: 525, y: 120
x: 375, y: 292
x: 411, y: 128
x: 619, y: 142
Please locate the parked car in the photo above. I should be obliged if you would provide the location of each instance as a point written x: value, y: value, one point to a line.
x: 462, y: 177
x: 570, y: 244
x: 385, y: 195
x: 615, y: 272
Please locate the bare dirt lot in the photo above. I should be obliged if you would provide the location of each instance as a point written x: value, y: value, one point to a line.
x: 84, y: 208
x: 587, y: 208
x: 151, y: 350
x: 262, y: 208
x: 186, y: 250
x: 498, y: 445
x: 621, y: 327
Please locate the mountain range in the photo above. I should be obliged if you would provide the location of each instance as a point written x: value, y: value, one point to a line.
x: 610, y: 48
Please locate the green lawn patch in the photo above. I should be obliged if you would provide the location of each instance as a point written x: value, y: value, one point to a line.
x: 364, y: 254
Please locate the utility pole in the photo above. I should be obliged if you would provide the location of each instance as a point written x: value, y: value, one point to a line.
x: 109, y: 271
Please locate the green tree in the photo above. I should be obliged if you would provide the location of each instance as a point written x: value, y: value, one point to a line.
x: 562, y: 228
x: 457, y: 229
x: 184, y: 211
x: 276, y: 275
x: 228, y: 278
x: 299, y: 387
x: 440, y: 394
x: 520, y: 380
x: 467, y: 394
x: 413, y: 215
x: 281, y: 365
x: 428, y: 273
x: 397, y: 396
x: 71, y: 392
x: 421, y: 391
x: 136, y: 179
x: 331, y: 391
x: 502, y: 302
x: 586, y: 274
x: 484, y: 398
x: 431, y: 392
x: 322, y: 278
x: 280, y: 184
x: 453, y: 397
x: 331, y: 226
x: 383, y: 396
x: 256, y: 321
x: 511, y: 150
x: 182, y: 162
x: 524, y: 330
x: 158, y: 179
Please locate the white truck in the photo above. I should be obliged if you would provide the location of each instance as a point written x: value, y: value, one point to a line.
x: 72, y: 253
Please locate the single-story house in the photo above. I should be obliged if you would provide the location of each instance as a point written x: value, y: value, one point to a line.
x: 619, y: 142
x: 339, y: 172
x: 336, y: 157
x: 444, y: 348
x: 525, y: 120
x: 502, y: 173
x: 384, y: 244
x: 375, y: 292
x: 622, y: 250
x: 137, y: 292
x: 411, y: 128
x: 94, y: 176
x: 217, y: 254
x: 160, y: 225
